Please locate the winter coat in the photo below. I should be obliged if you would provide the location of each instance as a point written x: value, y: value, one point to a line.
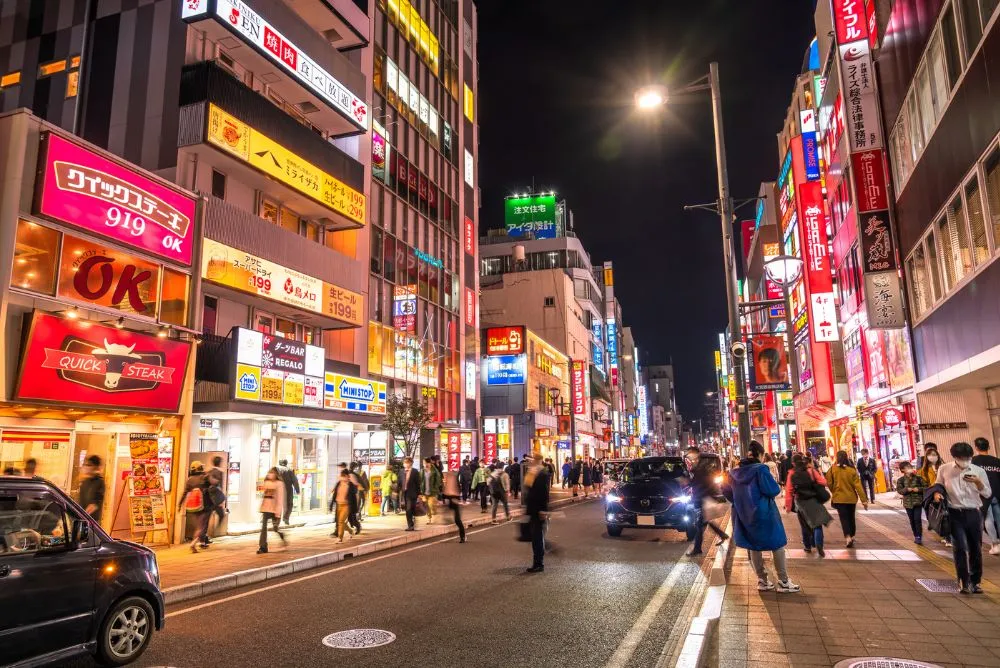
x: 756, y: 521
x: 434, y: 488
x: 802, y: 486
x: 937, y: 511
x: 465, y: 474
x: 588, y: 475
x: 388, y: 478
x: 914, y: 481
x: 273, y: 500
x: 845, y: 485
x: 790, y: 492
x: 479, y: 477
x: 565, y: 470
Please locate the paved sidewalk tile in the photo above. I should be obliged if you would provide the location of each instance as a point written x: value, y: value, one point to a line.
x: 863, y: 601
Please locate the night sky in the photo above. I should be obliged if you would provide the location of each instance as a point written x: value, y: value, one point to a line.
x: 556, y: 84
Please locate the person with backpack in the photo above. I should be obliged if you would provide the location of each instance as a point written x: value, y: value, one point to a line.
x: 194, y: 502
x: 272, y: 506
x: 479, y: 487
x: 757, y: 525
x: 215, y: 498
x: 845, y: 488
x: 465, y: 479
x: 499, y: 487
x: 806, y: 487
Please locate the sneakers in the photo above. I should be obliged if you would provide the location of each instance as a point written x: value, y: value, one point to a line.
x: 976, y: 589
x: 920, y: 541
x: 995, y: 549
x: 765, y: 585
x: 807, y: 550
x: 788, y: 587
x: 535, y: 569
x: 693, y: 552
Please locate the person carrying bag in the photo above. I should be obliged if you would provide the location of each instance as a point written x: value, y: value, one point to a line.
x: 806, y: 488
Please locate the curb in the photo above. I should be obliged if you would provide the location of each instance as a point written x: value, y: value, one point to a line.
x: 698, y: 640
x: 221, y: 583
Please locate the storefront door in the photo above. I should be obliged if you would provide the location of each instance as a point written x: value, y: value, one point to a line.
x: 104, y: 445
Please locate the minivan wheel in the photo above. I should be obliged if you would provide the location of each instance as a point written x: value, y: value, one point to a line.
x: 614, y: 531
x: 125, y: 632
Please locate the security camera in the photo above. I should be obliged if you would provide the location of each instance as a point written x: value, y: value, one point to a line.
x: 738, y: 350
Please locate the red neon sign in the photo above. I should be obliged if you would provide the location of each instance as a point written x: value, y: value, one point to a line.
x: 850, y: 19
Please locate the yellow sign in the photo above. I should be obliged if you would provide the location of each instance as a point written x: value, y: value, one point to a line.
x: 272, y: 384
x: 247, y: 382
x: 470, y: 104
x: 343, y: 304
x: 609, y: 277
x: 294, y: 390
x: 347, y: 393
x: 718, y: 361
x: 732, y: 387
x: 264, y: 154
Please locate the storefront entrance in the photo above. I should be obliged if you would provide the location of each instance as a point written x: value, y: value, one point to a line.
x: 307, y: 456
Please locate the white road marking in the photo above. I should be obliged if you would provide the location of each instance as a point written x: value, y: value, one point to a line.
x: 623, y: 654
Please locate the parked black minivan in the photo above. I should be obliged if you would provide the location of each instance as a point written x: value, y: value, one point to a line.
x: 67, y: 587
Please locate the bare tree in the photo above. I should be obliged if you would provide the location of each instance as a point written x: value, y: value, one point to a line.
x: 404, y: 418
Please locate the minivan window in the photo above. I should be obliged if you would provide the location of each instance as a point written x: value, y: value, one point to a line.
x: 30, y: 521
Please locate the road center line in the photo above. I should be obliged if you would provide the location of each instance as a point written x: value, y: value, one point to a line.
x: 623, y: 654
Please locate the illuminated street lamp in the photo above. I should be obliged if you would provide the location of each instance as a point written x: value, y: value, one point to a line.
x: 651, y: 97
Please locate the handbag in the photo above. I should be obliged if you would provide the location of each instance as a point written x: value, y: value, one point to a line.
x: 822, y: 493
x: 420, y: 507
x: 523, y: 532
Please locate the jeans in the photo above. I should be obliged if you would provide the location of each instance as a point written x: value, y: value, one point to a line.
x: 967, y: 544
x: 810, y: 537
x: 847, y: 520
x: 916, y: 521
x: 497, y: 500
x: 992, y: 519
x: 780, y: 565
x: 868, y: 484
x: 274, y: 520
x: 537, y: 540
x: 456, y: 508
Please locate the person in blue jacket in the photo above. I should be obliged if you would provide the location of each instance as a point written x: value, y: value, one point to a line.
x: 751, y: 489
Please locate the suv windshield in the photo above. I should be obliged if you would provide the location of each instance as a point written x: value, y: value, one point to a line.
x: 665, y: 469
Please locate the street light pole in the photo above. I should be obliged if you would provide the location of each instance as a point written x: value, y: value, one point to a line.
x: 728, y: 254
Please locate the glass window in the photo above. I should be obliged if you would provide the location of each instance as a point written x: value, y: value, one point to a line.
x: 992, y: 171
x: 937, y: 67
x: 915, y: 127
x: 977, y: 222
x: 916, y: 270
x: 924, y: 97
x: 35, y: 250
x: 376, y: 250
x: 285, y: 327
x: 289, y: 220
x: 972, y: 24
x: 218, y: 184
x: 955, y: 216
x: 209, y: 314
x: 389, y: 258
x: 949, y: 32
x: 268, y: 210
x: 174, y: 297
x: 312, y: 231
x: 948, y: 244
x: 935, y: 267
x: 30, y: 521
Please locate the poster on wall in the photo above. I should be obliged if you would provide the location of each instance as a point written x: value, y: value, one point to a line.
x: 147, y: 507
x: 899, y: 359
x: 770, y: 364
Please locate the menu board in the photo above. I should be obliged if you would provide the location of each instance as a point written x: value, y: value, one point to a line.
x: 147, y: 506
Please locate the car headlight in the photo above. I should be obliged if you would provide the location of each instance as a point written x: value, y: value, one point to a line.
x: 613, y: 498
x: 685, y: 498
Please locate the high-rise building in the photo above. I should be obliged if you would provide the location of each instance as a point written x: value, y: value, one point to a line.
x: 663, y: 396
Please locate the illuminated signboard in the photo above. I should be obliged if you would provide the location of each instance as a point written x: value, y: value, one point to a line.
x: 506, y: 370
x: 429, y: 259
x: 470, y: 237
x: 578, y: 387
x: 643, y: 411
x: 357, y: 395
x: 810, y: 150
x: 82, y: 188
x: 248, y: 273
x: 404, y: 308
x: 860, y: 96
x: 72, y: 361
x: 823, y: 309
x: 381, y: 153
x: 470, y: 168
x: 535, y: 214
x: 254, y: 30
x: 868, y: 168
x: 504, y: 340
x: 235, y: 137
x: 275, y: 370
x: 470, y: 307
x: 850, y: 20
x: 612, y: 344
x: 597, y: 330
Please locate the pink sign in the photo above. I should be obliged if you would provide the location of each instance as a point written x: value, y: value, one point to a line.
x: 87, y: 190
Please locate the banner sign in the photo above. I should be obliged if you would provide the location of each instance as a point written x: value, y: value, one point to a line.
x: 275, y: 370
x: 860, y: 96
x: 146, y: 503
x: 249, y: 26
x: 470, y: 237
x: 358, y: 395
x: 823, y: 310
x: 878, y: 253
x: 850, y: 20
x: 612, y: 344
x: 404, y: 308
x: 578, y: 380
x: 535, y: 214
x: 248, y: 273
x: 70, y: 361
x: 235, y: 137
x: 504, y: 340
x: 770, y: 364
x: 86, y: 190
x: 507, y: 370
x: 868, y: 168
x: 884, y: 300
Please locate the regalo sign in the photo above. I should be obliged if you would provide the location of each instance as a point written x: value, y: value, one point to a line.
x: 80, y: 362
x: 82, y: 188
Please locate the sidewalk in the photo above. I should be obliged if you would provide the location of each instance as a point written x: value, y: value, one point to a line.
x: 863, y: 602
x: 232, y: 561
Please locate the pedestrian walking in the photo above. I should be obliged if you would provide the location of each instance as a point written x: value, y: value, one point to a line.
x: 587, y: 474
x: 409, y: 490
x: 550, y: 468
x: 479, y: 479
x: 598, y: 475
x: 805, y: 494
x: 30, y: 467
x: 343, y: 501
x: 867, y: 466
x: 430, y: 487
x: 574, y: 475
x: 271, y: 508
x: 291, y: 484
x: 567, y: 465
x: 390, y: 491
x: 92, y: 488
x: 361, y: 481
x: 194, y: 501
x: 703, y: 488
x: 215, y: 498
x: 910, y: 486
x: 757, y: 524
x: 473, y: 467
x: 846, y: 491
x: 991, y: 506
x: 514, y: 473
x: 499, y: 488
x: 929, y: 463
x: 536, y: 489
x: 784, y: 466
x: 465, y: 479
x: 772, y: 466
x: 963, y: 486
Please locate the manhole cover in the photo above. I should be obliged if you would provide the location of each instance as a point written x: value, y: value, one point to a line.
x: 883, y: 662
x: 359, y: 639
x: 939, y: 586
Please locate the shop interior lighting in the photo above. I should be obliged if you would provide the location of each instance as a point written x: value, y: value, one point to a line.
x: 164, y: 330
x: 73, y: 313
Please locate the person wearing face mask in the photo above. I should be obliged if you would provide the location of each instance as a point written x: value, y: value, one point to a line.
x: 963, y: 486
x: 929, y: 464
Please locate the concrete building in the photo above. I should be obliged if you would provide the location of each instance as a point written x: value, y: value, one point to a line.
x: 663, y: 396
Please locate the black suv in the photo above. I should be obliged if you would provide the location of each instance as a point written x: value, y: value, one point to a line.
x: 67, y: 587
x: 652, y: 493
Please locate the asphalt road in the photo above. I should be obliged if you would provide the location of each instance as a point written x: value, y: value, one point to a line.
x: 452, y: 604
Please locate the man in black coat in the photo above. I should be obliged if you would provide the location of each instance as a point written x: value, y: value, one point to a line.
x: 784, y: 466
x: 866, y: 471
x: 536, y: 491
x: 291, y: 481
x: 409, y: 489
x: 703, y: 470
x: 514, y: 471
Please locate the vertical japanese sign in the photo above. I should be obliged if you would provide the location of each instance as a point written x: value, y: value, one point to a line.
x: 470, y: 237
x: 579, y: 387
x: 822, y: 308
